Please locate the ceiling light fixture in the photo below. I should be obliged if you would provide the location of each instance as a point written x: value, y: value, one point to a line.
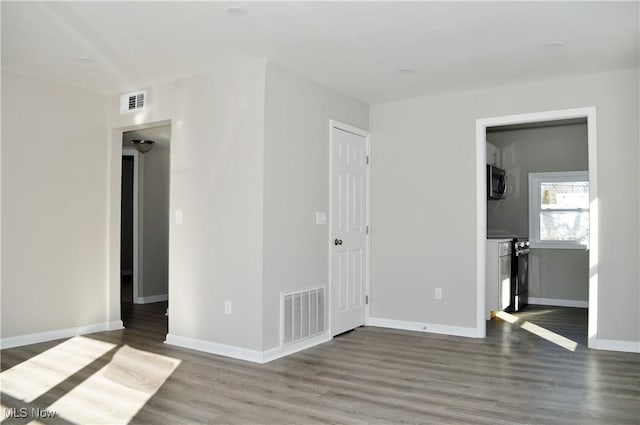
x: 236, y: 11
x: 86, y: 59
x: 555, y: 44
x: 143, y: 146
x: 406, y: 71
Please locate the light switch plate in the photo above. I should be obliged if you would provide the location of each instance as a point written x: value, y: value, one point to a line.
x: 178, y: 216
x: 321, y: 217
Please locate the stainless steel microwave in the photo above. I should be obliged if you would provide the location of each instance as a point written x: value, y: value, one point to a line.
x: 496, y: 182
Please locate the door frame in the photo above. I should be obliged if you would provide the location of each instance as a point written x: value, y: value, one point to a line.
x: 114, y: 211
x: 481, y: 206
x: 342, y: 126
x: 136, y: 223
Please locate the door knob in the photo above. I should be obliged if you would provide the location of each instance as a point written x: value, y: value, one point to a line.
x: 337, y: 242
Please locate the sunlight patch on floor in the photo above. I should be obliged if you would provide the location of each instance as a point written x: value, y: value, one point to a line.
x: 119, y: 390
x: 34, y: 377
x: 550, y: 336
x: 507, y: 317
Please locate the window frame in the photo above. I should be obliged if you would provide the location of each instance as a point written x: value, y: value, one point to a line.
x: 535, y: 182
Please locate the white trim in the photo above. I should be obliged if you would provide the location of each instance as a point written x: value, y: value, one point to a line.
x: 559, y: 245
x: 481, y: 204
x: 367, y: 307
x: 615, y: 345
x: 424, y: 327
x: 113, y: 216
x: 533, y: 117
x: 534, y: 183
x: 341, y: 126
x: 34, y: 338
x: 558, y: 302
x: 153, y: 299
x: 215, y: 348
x: 481, y: 226
x: 276, y: 353
x: 136, y: 222
x: 592, y: 153
x: 241, y: 353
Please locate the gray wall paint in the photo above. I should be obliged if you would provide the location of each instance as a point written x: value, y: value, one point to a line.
x: 542, y: 149
x: 296, y: 185
x: 216, y: 180
x: 422, y: 230
x: 155, y: 221
x: 54, y: 206
x: 424, y: 188
x: 222, y: 123
x: 559, y: 274
x: 555, y: 273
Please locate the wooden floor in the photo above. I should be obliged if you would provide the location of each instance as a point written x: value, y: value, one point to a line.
x: 375, y: 375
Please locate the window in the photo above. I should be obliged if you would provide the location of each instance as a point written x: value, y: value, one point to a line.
x: 559, y: 210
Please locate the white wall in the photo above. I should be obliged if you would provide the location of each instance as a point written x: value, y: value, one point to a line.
x: 296, y: 185
x: 423, y: 200
x: 553, y: 273
x: 216, y: 180
x: 54, y: 206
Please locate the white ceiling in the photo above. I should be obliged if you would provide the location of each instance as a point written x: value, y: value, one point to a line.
x: 355, y: 48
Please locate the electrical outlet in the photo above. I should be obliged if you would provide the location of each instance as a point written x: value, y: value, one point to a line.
x: 321, y: 217
x: 438, y: 294
x: 227, y: 308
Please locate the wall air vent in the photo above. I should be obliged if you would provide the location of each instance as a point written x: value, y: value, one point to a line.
x: 131, y: 102
x: 302, y: 314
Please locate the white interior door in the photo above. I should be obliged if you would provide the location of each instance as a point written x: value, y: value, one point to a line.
x: 349, y: 227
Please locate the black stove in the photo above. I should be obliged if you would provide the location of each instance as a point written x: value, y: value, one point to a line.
x: 520, y: 274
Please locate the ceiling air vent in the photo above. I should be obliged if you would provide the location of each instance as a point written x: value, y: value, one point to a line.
x: 132, y: 101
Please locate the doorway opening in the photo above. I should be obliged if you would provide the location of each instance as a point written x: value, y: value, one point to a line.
x: 128, y: 226
x: 144, y: 228
x: 491, y: 148
x: 541, y: 223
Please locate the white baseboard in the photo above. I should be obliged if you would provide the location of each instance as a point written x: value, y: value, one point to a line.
x: 255, y: 356
x: 151, y: 299
x: 276, y: 353
x: 34, y: 338
x: 215, y: 348
x: 558, y: 302
x: 615, y: 345
x: 423, y: 327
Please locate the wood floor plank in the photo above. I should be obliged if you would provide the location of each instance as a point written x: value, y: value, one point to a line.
x: 376, y: 375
